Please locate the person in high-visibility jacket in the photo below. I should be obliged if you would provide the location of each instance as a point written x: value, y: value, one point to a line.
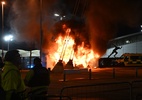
x: 11, y: 80
x: 38, y: 79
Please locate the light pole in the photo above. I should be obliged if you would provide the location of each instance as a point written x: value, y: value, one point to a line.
x: 41, y: 31
x: 8, y: 38
x: 3, y: 3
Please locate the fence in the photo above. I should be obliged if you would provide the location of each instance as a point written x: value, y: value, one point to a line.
x: 110, y: 73
x: 49, y: 97
x: 105, y: 91
x: 101, y: 91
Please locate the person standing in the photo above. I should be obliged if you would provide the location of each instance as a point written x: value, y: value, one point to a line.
x: 38, y: 79
x: 11, y: 80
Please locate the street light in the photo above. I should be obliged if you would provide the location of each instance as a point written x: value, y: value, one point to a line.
x: 41, y: 31
x: 57, y: 15
x: 8, y: 38
x: 3, y: 3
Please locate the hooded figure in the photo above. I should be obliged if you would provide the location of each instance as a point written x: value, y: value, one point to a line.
x: 38, y: 78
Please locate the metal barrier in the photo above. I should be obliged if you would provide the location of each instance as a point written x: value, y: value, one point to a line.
x: 89, y: 74
x: 136, y: 89
x: 49, y: 97
x: 104, y: 91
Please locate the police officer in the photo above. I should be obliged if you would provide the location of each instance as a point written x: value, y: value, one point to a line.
x: 11, y: 80
x: 38, y: 78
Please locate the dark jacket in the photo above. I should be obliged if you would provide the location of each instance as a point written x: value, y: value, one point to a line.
x: 41, y: 77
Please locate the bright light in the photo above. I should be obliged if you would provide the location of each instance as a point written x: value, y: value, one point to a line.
x: 56, y: 15
x: 8, y: 38
x: 2, y: 2
x: 127, y: 41
x: 61, y: 17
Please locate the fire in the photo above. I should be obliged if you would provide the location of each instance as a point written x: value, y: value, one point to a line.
x: 63, y: 49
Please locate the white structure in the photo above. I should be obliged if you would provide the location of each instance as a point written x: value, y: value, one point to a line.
x: 130, y: 44
x: 25, y: 53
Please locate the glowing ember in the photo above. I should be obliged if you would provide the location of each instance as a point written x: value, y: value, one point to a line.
x: 63, y: 49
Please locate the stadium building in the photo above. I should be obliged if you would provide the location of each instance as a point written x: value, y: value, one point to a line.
x: 130, y: 44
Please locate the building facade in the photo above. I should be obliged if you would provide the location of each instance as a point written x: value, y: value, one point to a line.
x: 130, y: 44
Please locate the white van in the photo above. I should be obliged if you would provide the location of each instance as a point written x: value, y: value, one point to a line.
x: 130, y: 59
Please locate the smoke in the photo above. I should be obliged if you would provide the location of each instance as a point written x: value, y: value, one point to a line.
x: 101, y: 22
x: 25, y: 19
x: 104, y: 17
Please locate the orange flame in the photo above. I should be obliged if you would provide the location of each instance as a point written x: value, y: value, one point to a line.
x: 63, y: 50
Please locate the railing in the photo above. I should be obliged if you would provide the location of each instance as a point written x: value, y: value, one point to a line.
x: 88, y: 74
x: 49, y: 97
x: 105, y: 91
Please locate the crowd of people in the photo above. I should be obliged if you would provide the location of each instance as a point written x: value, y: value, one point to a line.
x: 13, y: 87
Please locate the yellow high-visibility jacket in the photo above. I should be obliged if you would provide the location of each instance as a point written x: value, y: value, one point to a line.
x: 11, y: 79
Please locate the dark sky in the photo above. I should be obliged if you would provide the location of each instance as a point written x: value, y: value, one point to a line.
x: 128, y: 12
x: 103, y: 19
x: 125, y: 14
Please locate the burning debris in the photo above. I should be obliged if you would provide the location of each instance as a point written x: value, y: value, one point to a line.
x: 68, y: 53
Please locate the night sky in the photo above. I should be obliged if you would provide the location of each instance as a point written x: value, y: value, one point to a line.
x: 125, y: 14
x: 106, y: 18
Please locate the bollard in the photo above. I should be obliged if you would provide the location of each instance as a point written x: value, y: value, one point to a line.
x: 64, y: 77
x: 90, y: 74
x: 131, y: 91
x: 113, y: 72
x: 136, y: 71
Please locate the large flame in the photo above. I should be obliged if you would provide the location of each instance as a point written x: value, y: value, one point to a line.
x: 63, y: 49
